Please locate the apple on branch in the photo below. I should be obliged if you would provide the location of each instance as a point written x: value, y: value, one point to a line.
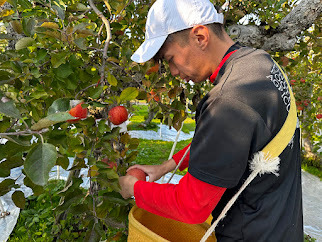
x: 118, y: 115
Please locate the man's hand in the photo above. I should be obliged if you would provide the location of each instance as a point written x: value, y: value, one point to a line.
x: 155, y: 172
x: 127, y: 186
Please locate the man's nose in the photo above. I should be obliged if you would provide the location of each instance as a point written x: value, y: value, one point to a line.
x: 173, y: 69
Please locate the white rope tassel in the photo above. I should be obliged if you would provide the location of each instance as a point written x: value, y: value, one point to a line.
x: 260, y: 164
x: 263, y: 163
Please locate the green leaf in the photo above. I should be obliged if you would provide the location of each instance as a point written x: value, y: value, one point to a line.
x: 78, y: 7
x: 12, y: 149
x: 28, y: 25
x: 41, y: 54
x: 111, y: 80
x: 59, y: 105
x: 80, y: 43
x: 9, y: 109
x: 70, y: 199
x: 6, y: 185
x: 63, y: 71
x: 58, y: 59
x: 19, y: 199
x: 129, y: 94
x: 60, y: 12
x: 8, y: 164
x: 63, y: 162
x: 5, y: 77
x: 110, y: 173
x: 92, y: 233
x: 25, y: 4
x: 39, y: 161
x: 78, y: 209
x: 24, y: 43
x: 18, y: 140
x: 113, y: 197
x: 51, y: 120
x: 96, y: 92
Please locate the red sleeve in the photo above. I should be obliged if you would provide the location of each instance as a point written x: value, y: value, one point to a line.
x: 191, y: 201
x: 177, y: 157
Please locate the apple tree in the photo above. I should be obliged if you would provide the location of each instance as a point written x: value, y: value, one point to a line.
x: 64, y: 66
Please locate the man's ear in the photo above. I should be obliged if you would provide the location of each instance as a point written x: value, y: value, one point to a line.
x: 200, y: 36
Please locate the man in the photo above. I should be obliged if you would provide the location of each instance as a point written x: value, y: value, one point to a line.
x: 243, y: 112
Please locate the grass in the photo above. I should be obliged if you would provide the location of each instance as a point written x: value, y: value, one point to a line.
x: 153, y: 152
x: 308, y: 238
x: 313, y: 170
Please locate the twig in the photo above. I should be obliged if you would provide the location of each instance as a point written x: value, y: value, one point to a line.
x: 25, y: 123
x: 93, y: 85
x: 42, y: 138
x: 108, y: 37
x: 13, y: 124
x: 99, y: 32
x: 26, y: 132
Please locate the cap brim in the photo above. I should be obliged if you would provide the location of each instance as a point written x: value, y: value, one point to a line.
x: 148, y: 49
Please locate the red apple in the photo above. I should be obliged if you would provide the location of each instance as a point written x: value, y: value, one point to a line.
x: 302, y: 80
x: 319, y: 116
x: 139, y: 174
x: 77, y: 112
x: 118, y: 115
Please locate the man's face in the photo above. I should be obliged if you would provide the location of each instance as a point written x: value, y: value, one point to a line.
x: 185, y: 61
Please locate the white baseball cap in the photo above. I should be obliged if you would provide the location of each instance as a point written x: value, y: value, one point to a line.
x: 169, y: 16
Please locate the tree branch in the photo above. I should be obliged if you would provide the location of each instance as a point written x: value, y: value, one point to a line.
x: 284, y: 37
x: 108, y: 37
x: 26, y: 132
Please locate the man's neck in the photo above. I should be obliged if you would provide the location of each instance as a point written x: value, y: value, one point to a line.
x: 219, y: 48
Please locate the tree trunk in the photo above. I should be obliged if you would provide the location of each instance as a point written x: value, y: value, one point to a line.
x: 284, y: 37
x: 150, y: 117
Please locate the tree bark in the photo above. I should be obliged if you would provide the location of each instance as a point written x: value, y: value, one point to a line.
x: 151, y: 116
x: 284, y: 37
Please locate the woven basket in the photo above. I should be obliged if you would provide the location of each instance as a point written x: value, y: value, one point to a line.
x: 145, y: 226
